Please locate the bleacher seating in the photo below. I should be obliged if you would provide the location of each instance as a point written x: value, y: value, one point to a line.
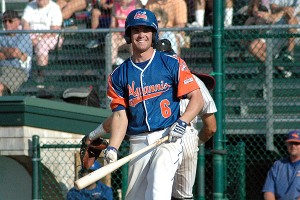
x: 245, y: 98
x: 245, y: 93
x: 73, y: 65
x: 245, y: 90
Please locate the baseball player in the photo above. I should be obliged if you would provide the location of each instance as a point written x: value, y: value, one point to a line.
x: 145, y: 92
x: 95, y: 191
x: 186, y: 173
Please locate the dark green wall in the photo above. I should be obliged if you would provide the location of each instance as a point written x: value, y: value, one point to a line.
x: 47, y: 114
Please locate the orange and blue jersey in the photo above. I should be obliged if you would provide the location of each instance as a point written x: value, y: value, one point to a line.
x: 150, y: 94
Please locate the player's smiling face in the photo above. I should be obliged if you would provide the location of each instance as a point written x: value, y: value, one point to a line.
x: 141, y: 37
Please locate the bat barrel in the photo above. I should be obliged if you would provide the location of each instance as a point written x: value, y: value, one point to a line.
x: 98, y: 174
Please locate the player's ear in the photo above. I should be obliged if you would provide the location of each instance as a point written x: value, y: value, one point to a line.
x: 153, y: 40
x: 127, y: 35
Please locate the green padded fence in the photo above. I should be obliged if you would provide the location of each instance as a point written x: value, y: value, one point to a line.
x: 54, y: 171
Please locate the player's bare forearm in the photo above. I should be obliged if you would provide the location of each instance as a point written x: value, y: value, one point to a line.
x: 119, y: 125
x: 269, y: 196
x: 209, y: 127
x: 107, y: 124
x: 194, y: 107
x: 103, y: 131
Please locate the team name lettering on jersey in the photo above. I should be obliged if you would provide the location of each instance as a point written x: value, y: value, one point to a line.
x: 147, y: 92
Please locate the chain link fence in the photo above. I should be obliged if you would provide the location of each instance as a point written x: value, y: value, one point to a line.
x: 58, y: 164
x: 261, y: 97
x: 260, y: 103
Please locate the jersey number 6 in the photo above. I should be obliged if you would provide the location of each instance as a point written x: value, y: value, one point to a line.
x: 165, y: 109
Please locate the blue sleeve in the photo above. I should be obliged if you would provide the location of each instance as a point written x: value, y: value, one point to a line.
x: 72, y: 194
x: 29, y: 46
x: 269, y: 185
x: 119, y: 79
x: 109, y: 194
x: 25, y: 44
x: 119, y: 107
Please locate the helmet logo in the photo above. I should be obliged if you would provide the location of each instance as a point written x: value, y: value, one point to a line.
x: 295, y: 135
x: 140, y: 15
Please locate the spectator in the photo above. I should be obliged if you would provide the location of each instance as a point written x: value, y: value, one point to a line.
x: 176, y: 10
x: 95, y: 191
x: 15, y: 54
x: 42, y: 15
x: 256, y: 11
x: 177, y: 16
x: 69, y: 7
x: 201, y: 6
x: 101, y: 14
x: 120, y: 11
x: 228, y: 15
x: 281, y: 13
x: 290, y: 11
x: 162, y: 20
x: 283, y: 179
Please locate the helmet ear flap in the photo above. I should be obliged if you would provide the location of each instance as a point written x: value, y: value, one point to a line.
x: 127, y: 36
x: 154, y: 40
x: 127, y: 39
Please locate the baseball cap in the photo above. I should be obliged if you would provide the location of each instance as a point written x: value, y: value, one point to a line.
x: 10, y: 14
x: 165, y: 46
x: 293, y: 136
x: 207, y: 79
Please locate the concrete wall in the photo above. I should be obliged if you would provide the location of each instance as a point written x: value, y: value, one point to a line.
x: 17, y: 140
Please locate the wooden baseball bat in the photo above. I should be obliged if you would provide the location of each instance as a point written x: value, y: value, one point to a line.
x: 103, y: 171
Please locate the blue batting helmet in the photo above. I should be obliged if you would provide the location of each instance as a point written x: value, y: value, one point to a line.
x: 95, y: 166
x: 140, y: 17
